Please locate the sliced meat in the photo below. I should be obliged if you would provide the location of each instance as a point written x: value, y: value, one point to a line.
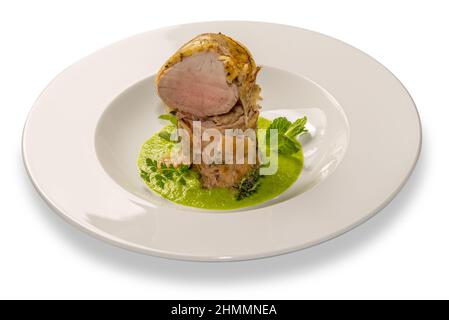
x: 197, y: 73
x: 198, y: 86
x: 234, y: 119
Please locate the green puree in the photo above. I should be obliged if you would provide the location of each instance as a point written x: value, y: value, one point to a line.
x: 193, y: 195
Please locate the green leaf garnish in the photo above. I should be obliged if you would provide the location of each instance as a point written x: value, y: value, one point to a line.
x: 151, y: 162
x: 163, y: 173
x: 183, y: 168
x: 297, y: 128
x: 164, y: 135
x: 287, y: 133
x: 167, y: 136
x: 144, y: 175
x: 288, y: 145
x: 281, y: 124
x: 182, y: 181
x: 168, y: 174
x: 169, y: 117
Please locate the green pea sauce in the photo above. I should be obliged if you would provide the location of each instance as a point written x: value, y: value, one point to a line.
x: 193, y: 195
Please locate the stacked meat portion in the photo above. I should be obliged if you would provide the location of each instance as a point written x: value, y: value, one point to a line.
x: 212, y: 79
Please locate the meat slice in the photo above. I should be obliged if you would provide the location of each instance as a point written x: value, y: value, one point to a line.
x: 194, y: 79
x: 198, y: 86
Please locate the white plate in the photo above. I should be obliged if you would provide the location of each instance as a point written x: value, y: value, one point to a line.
x: 83, y: 134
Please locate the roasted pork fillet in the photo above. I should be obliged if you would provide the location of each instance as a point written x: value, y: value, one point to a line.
x: 212, y: 79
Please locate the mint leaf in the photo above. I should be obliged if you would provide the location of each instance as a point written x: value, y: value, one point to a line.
x: 287, y: 133
x: 297, y: 128
x: 288, y: 145
x: 281, y: 124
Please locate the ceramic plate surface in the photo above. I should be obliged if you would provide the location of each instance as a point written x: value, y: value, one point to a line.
x: 82, y: 137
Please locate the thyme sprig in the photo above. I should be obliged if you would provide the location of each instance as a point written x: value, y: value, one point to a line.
x: 248, y: 185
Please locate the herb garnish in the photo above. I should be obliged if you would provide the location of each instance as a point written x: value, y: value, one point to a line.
x: 164, y: 173
x: 248, y: 185
x: 165, y: 134
x: 287, y: 133
x: 169, y: 117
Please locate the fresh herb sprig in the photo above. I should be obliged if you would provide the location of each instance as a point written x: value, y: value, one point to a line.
x: 165, y: 134
x: 287, y: 134
x: 169, y: 117
x: 248, y: 185
x: 163, y: 173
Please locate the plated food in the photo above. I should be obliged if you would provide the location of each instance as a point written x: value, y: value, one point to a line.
x: 80, y: 145
x: 210, y: 92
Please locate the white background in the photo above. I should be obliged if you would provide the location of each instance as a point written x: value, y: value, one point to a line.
x: 403, y: 252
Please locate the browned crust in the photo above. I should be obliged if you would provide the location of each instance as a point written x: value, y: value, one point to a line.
x: 238, y: 62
